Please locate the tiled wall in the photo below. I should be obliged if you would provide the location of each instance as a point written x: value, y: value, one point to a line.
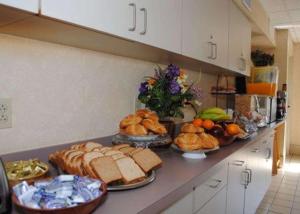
x: 62, y: 94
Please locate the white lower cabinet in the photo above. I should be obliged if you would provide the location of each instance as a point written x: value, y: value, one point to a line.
x: 237, y: 188
x: 217, y: 205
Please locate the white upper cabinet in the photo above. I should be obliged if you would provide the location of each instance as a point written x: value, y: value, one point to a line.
x: 205, y: 26
x: 159, y: 23
x: 239, y: 41
x: 27, y: 5
x: 153, y: 22
x: 117, y: 17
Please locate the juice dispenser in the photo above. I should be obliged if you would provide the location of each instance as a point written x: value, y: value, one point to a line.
x: 263, y: 81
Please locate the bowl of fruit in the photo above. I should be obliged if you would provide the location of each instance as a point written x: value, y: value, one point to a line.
x: 216, y: 122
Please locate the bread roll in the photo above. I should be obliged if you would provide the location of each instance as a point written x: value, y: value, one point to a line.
x: 130, y: 120
x: 155, y: 127
x: 136, y: 130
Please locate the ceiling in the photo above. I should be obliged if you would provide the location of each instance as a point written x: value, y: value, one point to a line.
x: 284, y: 14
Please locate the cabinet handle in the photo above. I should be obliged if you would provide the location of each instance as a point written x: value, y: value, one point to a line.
x: 245, y: 178
x: 134, y: 17
x: 211, y: 50
x: 145, y: 21
x: 238, y: 163
x: 265, y: 142
x: 216, y: 185
x: 216, y: 50
x: 250, y: 176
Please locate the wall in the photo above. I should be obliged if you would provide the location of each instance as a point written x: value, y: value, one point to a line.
x: 62, y: 94
x: 295, y: 105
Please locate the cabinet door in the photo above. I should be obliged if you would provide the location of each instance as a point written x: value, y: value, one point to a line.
x: 236, y: 184
x: 205, y: 30
x: 27, y: 5
x: 268, y: 160
x: 217, y: 205
x: 256, y: 187
x: 184, y: 205
x: 239, y: 41
x: 159, y: 23
x: 110, y: 16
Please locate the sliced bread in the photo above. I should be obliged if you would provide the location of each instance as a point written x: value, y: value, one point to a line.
x: 147, y: 160
x: 130, y: 170
x: 127, y: 150
x: 86, y: 159
x: 112, y: 152
x: 89, y: 146
x: 120, y: 146
x: 106, y: 169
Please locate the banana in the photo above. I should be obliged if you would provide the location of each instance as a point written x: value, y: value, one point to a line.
x: 214, y: 110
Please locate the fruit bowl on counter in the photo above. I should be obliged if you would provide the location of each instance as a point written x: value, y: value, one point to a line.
x: 216, y: 122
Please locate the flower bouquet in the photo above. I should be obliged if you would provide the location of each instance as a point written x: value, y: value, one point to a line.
x: 167, y: 92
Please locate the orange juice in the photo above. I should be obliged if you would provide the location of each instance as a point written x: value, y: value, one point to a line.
x: 262, y: 88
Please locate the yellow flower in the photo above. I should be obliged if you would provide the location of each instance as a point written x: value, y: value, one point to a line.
x: 151, y: 81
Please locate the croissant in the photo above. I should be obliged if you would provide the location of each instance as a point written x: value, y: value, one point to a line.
x: 136, y: 130
x: 154, y: 126
x: 130, y: 120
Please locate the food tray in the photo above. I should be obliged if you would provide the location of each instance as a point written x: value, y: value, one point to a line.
x: 150, y: 178
x: 148, y: 141
x: 195, y: 154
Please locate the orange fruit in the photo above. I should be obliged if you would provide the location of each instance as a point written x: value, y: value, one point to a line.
x: 208, y: 124
x: 233, y: 129
x: 197, y: 122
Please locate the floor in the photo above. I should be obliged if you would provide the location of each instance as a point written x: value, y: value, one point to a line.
x: 283, y: 196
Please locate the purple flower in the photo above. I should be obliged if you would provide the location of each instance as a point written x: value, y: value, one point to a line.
x: 174, y: 87
x: 172, y: 71
x: 143, y: 87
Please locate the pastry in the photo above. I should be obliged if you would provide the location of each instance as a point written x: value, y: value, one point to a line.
x: 130, y: 120
x: 190, y: 128
x: 208, y: 141
x: 188, y: 141
x: 147, y: 114
x: 136, y: 130
x: 155, y: 127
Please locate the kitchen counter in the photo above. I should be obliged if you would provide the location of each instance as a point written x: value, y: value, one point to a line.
x: 177, y: 177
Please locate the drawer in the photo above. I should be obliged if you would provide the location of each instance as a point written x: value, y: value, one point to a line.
x: 209, y: 188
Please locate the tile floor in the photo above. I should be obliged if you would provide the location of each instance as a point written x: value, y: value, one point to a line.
x: 283, y: 196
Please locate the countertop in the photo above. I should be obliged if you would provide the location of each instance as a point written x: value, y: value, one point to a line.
x: 176, y: 178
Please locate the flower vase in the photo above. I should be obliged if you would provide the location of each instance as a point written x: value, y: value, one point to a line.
x: 172, y: 125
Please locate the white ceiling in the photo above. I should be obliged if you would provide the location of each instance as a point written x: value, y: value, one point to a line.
x: 284, y: 14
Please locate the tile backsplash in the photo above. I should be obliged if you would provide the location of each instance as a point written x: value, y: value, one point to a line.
x: 62, y: 94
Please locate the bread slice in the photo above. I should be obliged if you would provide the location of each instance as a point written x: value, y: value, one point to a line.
x: 70, y: 163
x: 130, y: 170
x: 120, y: 146
x: 134, y: 151
x: 127, y: 150
x: 105, y: 149
x: 89, y: 146
x: 86, y: 159
x: 118, y: 156
x: 147, y: 160
x: 106, y: 169
x: 112, y: 152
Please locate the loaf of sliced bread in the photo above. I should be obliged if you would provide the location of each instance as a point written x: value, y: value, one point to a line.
x: 106, y: 169
x: 147, y: 159
x: 86, y: 160
x: 130, y: 170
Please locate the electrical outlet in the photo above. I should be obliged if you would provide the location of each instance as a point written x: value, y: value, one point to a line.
x: 5, y: 113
